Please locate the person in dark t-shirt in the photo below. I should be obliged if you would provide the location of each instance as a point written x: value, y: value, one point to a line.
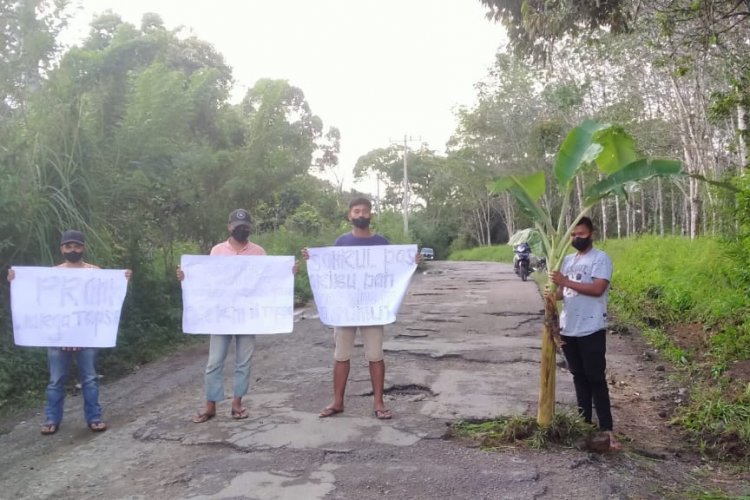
x: 360, y: 215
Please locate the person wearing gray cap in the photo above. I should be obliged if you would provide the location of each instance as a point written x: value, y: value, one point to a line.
x: 72, y: 248
x: 238, y: 227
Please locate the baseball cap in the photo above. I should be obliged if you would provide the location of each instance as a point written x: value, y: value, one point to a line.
x: 72, y: 236
x: 239, y: 217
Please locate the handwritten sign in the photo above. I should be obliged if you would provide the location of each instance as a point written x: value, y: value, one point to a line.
x: 360, y: 286
x: 237, y: 295
x: 64, y: 307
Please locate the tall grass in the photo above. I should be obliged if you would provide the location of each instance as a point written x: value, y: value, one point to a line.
x: 669, y: 282
x: 693, y: 306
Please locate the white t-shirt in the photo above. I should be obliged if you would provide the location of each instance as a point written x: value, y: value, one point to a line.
x: 583, y: 314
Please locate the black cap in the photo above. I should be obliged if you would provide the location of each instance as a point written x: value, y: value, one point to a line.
x: 239, y: 217
x: 72, y: 236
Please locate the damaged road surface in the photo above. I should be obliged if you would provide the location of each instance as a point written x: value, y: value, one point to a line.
x: 466, y: 346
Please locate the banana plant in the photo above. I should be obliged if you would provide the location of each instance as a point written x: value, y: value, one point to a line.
x: 613, y: 152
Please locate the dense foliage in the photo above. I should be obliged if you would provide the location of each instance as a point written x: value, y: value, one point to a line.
x: 131, y: 137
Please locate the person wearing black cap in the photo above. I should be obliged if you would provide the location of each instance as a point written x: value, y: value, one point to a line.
x: 238, y: 227
x: 72, y: 248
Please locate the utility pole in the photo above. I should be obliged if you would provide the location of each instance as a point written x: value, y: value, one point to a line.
x: 377, y: 198
x: 405, y: 204
x: 406, y: 187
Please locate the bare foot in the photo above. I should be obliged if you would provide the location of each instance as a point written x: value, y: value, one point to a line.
x: 614, y: 444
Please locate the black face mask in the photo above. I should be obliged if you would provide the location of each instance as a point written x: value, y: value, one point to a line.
x: 361, y: 222
x: 241, y: 233
x: 73, y: 256
x: 581, y: 244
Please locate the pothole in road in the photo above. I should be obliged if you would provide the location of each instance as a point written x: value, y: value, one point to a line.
x: 441, y: 320
x: 407, y: 391
x: 507, y: 314
x: 412, y: 333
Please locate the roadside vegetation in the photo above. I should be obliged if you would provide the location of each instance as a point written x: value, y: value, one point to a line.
x: 566, y: 429
x: 495, y: 253
x: 690, y: 299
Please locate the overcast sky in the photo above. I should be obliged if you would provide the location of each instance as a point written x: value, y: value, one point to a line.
x: 376, y: 69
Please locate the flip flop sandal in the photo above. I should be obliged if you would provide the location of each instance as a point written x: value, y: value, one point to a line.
x: 97, y: 426
x: 383, y: 414
x: 329, y: 412
x: 49, y: 429
x: 240, y: 415
x: 203, y: 417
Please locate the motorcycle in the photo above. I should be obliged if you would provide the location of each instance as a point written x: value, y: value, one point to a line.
x: 539, y: 264
x: 522, y: 260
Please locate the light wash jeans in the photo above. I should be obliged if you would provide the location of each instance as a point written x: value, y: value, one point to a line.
x: 59, y: 366
x: 217, y: 353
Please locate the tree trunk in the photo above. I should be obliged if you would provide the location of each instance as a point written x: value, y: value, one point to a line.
x: 660, y: 206
x: 627, y: 217
x: 488, y: 220
x: 741, y: 133
x: 674, y: 210
x: 548, y: 366
x: 510, y: 214
x: 695, y: 207
x: 619, y: 222
x: 643, y: 209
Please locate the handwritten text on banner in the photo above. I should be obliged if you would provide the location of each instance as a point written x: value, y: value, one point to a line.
x: 237, y: 295
x: 64, y: 307
x: 360, y: 286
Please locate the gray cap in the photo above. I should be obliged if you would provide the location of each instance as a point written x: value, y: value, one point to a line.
x: 72, y: 236
x: 239, y: 217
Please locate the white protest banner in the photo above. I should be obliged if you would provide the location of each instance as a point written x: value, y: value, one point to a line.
x: 64, y: 307
x: 237, y: 295
x: 360, y: 286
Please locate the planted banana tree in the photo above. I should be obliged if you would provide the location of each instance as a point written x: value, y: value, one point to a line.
x: 613, y: 152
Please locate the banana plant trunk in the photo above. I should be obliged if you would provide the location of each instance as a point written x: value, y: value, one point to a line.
x: 550, y: 342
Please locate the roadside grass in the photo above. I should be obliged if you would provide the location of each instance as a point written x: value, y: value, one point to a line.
x: 692, y: 306
x: 701, y: 494
x: 521, y: 430
x: 496, y: 253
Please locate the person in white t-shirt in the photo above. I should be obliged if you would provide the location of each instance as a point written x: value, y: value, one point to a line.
x: 583, y: 286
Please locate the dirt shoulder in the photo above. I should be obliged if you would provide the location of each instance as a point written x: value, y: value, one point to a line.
x: 466, y: 346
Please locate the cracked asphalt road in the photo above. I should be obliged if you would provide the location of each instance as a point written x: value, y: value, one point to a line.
x: 466, y: 346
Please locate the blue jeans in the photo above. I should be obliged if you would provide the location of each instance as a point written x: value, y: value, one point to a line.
x: 217, y: 353
x: 59, y: 365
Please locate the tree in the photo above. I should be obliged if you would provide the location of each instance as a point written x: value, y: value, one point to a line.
x: 535, y: 25
x: 613, y: 152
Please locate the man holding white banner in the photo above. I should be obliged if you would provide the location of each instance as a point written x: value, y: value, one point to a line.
x: 234, y: 299
x: 78, y: 308
x: 359, y: 287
